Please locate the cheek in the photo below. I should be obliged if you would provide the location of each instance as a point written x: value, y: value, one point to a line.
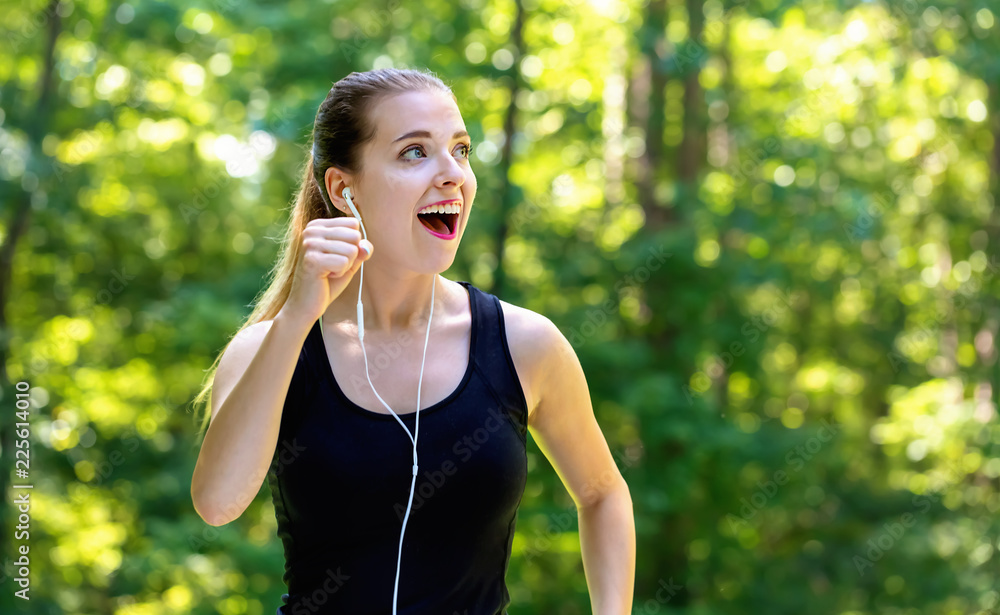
x: 396, y: 181
x: 471, y: 184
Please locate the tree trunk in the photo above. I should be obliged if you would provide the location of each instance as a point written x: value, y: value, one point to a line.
x: 691, y: 153
x: 507, y: 197
x: 647, y: 99
x: 17, y: 226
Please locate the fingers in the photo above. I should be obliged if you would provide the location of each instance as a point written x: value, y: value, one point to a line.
x: 339, y: 221
x: 341, y: 233
x: 328, y: 265
x: 348, y: 271
x: 325, y: 233
x: 331, y: 246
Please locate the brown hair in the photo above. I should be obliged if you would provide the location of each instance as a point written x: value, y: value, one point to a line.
x: 342, y: 127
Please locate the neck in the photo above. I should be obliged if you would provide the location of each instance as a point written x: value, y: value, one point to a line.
x: 393, y: 302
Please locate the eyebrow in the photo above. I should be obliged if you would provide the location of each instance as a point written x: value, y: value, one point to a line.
x: 424, y: 133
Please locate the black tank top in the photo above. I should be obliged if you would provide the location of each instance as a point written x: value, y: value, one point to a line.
x: 340, y: 481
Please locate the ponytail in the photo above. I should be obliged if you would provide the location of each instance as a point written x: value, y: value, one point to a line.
x: 309, y: 205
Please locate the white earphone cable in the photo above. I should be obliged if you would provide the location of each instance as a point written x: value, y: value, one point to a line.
x: 420, y: 379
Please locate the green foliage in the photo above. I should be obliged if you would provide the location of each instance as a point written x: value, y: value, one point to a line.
x: 769, y: 234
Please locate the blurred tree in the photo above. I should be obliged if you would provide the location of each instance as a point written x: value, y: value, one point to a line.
x: 767, y: 228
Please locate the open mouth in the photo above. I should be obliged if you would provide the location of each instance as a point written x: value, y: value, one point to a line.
x: 441, y: 223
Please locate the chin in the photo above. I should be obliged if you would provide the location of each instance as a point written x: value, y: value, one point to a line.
x: 438, y: 265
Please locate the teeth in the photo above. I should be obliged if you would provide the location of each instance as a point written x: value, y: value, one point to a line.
x: 450, y: 208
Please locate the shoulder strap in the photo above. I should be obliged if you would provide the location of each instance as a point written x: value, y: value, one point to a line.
x: 493, y: 358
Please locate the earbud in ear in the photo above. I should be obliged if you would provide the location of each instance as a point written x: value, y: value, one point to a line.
x: 350, y: 203
x: 361, y: 313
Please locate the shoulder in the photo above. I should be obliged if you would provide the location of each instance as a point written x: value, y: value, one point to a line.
x: 249, y: 338
x: 534, y: 342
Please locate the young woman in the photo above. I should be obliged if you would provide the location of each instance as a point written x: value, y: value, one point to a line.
x: 380, y: 455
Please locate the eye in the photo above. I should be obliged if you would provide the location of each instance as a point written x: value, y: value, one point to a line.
x: 420, y: 148
x: 415, y: 148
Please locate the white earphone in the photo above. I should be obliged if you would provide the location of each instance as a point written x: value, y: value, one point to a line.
x: 361, y: 338
x: 361, y: 281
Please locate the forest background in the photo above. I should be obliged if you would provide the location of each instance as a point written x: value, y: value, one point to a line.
x: 768, y: 228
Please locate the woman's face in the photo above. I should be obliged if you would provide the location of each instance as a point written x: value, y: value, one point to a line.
x: 418, y: 156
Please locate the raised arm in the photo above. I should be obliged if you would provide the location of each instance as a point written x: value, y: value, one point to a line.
x: 256, y: 369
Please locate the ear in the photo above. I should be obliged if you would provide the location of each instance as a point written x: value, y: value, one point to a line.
x: 336, y: 180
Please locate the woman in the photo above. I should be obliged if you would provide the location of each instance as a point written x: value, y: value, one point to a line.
x: 297, y: 398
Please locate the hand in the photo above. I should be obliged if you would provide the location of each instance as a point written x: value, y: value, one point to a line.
x: 332, y: 251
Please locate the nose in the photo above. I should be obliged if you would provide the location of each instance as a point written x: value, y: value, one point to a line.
x: 451, y: 172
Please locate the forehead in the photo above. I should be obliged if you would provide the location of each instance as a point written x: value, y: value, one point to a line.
x: 433, y: 111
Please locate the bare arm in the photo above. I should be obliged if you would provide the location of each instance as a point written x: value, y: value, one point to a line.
x: 256, y: 369
x: 247, y: 399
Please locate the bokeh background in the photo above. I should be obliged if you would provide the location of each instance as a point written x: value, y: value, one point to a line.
x: 769, y: 229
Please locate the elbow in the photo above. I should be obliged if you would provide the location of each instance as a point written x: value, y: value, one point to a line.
x: 626, y: 495
x: 210, y: 516
x: 618, y: 493
x: 212, y: 519
x: 208, y: 512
